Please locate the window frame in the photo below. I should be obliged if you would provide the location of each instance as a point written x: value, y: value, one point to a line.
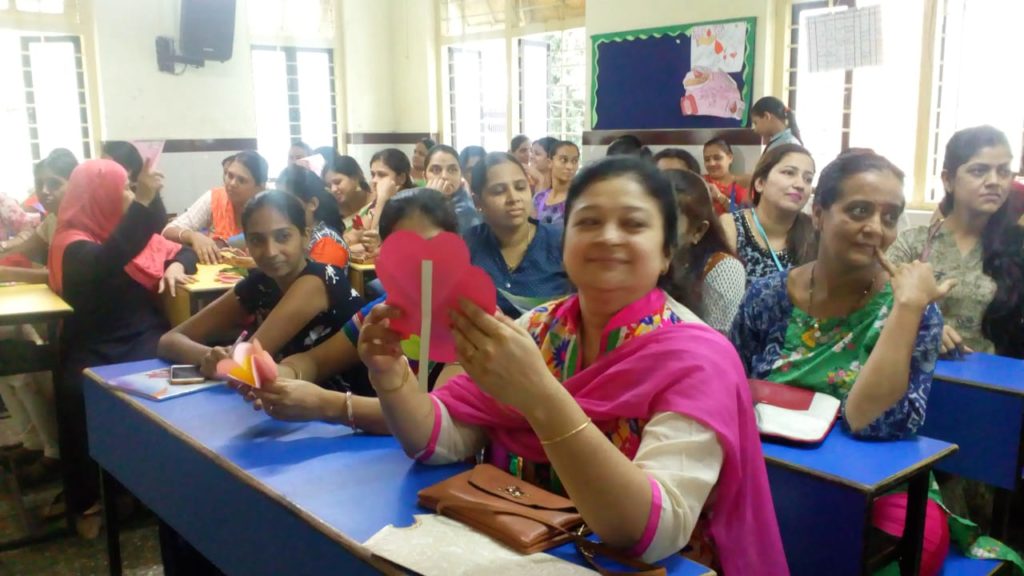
x: 512, y: 33
x: 291, y: 75
x: 787, y: 82
x: 66, y: 26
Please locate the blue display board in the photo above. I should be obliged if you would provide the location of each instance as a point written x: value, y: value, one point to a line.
x: 638, y: 76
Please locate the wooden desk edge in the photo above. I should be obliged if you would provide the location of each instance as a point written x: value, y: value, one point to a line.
x: 880, y: 486
x: 982, y: 385
x: 35, y: 317
x: 352, y: 546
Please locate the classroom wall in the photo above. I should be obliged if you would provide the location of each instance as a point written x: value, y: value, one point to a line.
x: 390, y: 74
x: 137, y: 102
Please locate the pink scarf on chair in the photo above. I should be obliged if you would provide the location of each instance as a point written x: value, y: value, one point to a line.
x: 688, y: 369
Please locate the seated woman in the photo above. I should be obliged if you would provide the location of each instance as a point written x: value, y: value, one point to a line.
x: 521, y: 255
x: 542, y: 152
x: 705, y: 276
x: 468, y: 158
x: 970, y: 237
x: 850, y: 323
x: 323, y: 219
x: 729, y: 195
x: 565, y: 397
x: 217, y: 215
x: 676, y: 159
x: 293, y: 304
x: 549, y: 205
x: 52, y: 181
x: 294, y: 396
x: 775, y: 234
x: 419, y: 161
x: 108, y: 261
x: 444, y: 174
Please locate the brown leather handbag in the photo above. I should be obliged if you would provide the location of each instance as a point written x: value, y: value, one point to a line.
x: 521, y: 516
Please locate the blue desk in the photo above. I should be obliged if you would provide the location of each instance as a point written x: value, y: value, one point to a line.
x: 823, y: 498
x: 978, y: 403
x: 257, y: 496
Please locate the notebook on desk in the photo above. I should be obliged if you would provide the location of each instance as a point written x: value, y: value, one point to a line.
x: 791, y: 413
x: 155, y: 385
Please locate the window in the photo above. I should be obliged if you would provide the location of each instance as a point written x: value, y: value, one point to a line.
x: 886, y: 108
x: 43, y: 104
x: 538, y: 89
x: 977, y: 77
x: 552, y: 84
x: 293, y: 76
x: 294, y: 96
x: 34, y: 6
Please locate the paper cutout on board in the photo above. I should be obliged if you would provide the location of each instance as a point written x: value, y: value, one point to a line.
x: 453, y: 278
x: 718, y: 46
x: 708, y: 92
x: 150, y: 150
x: 249, y: 364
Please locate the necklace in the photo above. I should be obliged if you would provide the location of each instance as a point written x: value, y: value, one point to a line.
x: 816, y: 326
x: 518, y: 256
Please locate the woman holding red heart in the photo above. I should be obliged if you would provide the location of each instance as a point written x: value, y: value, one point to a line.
x: 643, y: 419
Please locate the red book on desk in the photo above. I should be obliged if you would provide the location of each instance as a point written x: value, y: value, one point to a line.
x: 792, y: 413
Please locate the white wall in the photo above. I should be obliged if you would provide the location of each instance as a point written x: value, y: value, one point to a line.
x: 138, y: 102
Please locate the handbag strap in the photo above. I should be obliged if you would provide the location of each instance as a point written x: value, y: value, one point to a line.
x: 587, y: 548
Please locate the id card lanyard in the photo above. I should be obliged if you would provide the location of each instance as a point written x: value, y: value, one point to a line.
x: 764, y: 235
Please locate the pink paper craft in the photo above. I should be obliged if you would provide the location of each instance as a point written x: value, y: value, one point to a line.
x: 398, y: 268
x: 711, y: 93
x: 150, y: 150
x: 249, y: 364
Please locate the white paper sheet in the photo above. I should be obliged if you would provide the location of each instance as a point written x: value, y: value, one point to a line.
x: 437, y: 545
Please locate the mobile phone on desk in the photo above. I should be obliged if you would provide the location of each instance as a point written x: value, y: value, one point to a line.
x: 186, y: 374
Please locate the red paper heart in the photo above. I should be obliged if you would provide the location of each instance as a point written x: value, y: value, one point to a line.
x: 398, y: 268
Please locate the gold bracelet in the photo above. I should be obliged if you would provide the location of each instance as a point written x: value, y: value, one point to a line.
x: 351, y: 416
x: 566, y: 435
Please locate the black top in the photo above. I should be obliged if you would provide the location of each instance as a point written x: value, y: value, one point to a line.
x: 116, y: 319
x: 259, y: 294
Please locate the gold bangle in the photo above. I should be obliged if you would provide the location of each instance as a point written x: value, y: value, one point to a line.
x: 567, y: 434
x: 351, y: 416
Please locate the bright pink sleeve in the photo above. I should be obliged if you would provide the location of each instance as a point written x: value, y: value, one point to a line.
x: 653, y: 518
x: 428, y: 450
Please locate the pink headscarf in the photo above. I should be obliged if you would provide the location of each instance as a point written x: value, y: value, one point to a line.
x: 688, y: 369
x: 92, y: 208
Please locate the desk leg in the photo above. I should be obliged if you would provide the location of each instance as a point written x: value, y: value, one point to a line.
x: 108, y: 488
x: 60, y: 407
x: 913, y: 531
x: 357, y: 280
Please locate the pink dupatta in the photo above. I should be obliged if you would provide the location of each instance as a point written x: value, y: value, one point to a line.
x: 688, y: 369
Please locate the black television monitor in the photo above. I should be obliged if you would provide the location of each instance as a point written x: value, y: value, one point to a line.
x: 207, y: 29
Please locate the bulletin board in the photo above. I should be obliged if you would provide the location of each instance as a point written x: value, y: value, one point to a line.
x: 696, y: 75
